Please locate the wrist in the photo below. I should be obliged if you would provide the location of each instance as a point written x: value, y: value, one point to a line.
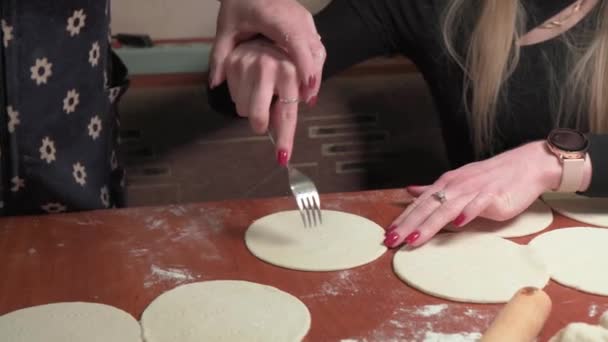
x: 553, y: 169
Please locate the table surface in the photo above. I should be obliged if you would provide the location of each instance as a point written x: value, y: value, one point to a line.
x: 128, y: 257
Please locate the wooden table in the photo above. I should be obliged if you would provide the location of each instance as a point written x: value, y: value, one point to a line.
x: 126, y: 258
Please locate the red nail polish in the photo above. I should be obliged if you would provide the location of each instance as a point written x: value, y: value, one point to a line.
x: 313, y: 101
x: 312, y: 82
x: 391, y: 239
x: 459, y: 220
x: 282, y: 158
x: 410, y: 239
x: 390, y: 229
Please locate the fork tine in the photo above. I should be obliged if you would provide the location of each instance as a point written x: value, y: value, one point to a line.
x: 311, y: 205
x: 317, y: 206
x: 308, y: 210
x: 301, y: 209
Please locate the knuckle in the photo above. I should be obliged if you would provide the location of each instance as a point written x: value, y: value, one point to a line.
x: 288, y: 70
x: 259, y: 124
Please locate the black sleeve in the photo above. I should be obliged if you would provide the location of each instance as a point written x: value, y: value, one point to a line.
x: 353, y: 31
x: 598, y: 152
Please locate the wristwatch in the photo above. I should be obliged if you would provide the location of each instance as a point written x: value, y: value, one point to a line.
x: 570, y: 146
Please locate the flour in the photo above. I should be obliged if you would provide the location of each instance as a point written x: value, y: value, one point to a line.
x: 138, y: 252
x: 175, y: 275
x: 61, y: 244
x: 153, y: 223
x: 431, y: 310
x: 460, y: 337
x: 592, y: 311
x: 32, y: 251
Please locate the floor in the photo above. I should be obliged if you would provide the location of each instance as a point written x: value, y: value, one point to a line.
x: 367, y: 132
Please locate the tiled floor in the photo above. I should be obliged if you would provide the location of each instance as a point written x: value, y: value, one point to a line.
x: 367, y: 132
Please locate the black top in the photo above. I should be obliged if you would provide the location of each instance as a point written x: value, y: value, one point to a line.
x: 356, y: 30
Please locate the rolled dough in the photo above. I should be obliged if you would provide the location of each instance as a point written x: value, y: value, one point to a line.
x: 225, y: 310
x: 343, y: 241
x: 470, y: 267
x: 581, y: 332
x: 69, y: 322
x: 587, y: 210
x: 535, y: 219
x: 576, y: 257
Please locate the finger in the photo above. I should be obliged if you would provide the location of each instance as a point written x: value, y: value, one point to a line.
x: 222, y: 47
x: 319, y: 56
x: 262, y: 92
x: 295, y: 43
x: 441, y: 217
x: 416, y: 190
x: 474, y: 209
x: 407, y: 229
x: 234, y: 75
x: 285, y: 111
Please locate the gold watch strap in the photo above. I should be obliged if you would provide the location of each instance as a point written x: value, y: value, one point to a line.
x: 572, y: 175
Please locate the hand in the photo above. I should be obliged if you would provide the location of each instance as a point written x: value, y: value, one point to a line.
x: 256, y: 71
x: 285, y: 22
x: 498, y: 188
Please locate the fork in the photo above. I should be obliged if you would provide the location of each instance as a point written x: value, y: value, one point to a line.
x: 305, y: 193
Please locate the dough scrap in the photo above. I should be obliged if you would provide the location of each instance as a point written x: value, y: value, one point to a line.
x: 587, y: 210
x: 576, y: 257
x: 69, y: 322
x: 535, y: 219
x: 225, y: 310
x: 470, y: 267
x: 343, y: 241
x: 583, y: 332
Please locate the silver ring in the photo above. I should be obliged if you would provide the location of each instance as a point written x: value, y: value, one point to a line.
x: 440, y: 196
x: 289, y: 101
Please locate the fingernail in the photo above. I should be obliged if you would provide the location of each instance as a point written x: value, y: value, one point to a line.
x: 282, y: 157
x: 391, y: 239
x: 312, y: 102
x: 410, y: 239
x: 390, y: 229
x: 312, y: 82
x: 459, y: 220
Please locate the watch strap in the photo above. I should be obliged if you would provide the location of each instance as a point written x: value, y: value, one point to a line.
x: 572, y: 175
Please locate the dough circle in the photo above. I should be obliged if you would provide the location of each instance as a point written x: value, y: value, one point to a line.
x: 69, y: 322
x: 583, y: 209
x: 343, y: 241
x: 470, y: 267
x: 576, y: 257
x: 225, y: 310
x: 535, y: 219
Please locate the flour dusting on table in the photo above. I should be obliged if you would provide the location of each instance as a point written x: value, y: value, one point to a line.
x: 175, y: 275
x: 431, y: 310
x: 430, y: 336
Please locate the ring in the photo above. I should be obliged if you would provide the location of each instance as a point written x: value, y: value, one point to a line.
x: 289, y: 101
x: 440, y: 196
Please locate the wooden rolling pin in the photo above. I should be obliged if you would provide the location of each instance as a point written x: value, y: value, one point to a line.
x: 522, y: 318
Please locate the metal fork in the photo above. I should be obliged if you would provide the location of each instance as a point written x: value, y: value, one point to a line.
x: 305, y: 193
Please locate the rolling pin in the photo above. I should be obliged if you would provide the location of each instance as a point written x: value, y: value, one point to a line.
x: 522, y: 318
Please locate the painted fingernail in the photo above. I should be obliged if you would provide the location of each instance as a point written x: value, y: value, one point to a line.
x: 391, y: 239
x: 459, y: 220
x: 313, y: 101
x: 410, y: 239
x: 282, y: 157
x: 312, y: 82
x: 390, y: 229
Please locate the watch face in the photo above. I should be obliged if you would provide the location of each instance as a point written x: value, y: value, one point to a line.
x: 568, y: 140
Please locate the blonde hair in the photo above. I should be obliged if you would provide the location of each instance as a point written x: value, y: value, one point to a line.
x: 492, y: 53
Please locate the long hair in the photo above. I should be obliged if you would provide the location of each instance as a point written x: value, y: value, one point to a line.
x: 492, y: 53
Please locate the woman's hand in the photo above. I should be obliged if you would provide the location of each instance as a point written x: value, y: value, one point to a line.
x: 498, y: 189
x: 256, y: 71
x: 285, y: 22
